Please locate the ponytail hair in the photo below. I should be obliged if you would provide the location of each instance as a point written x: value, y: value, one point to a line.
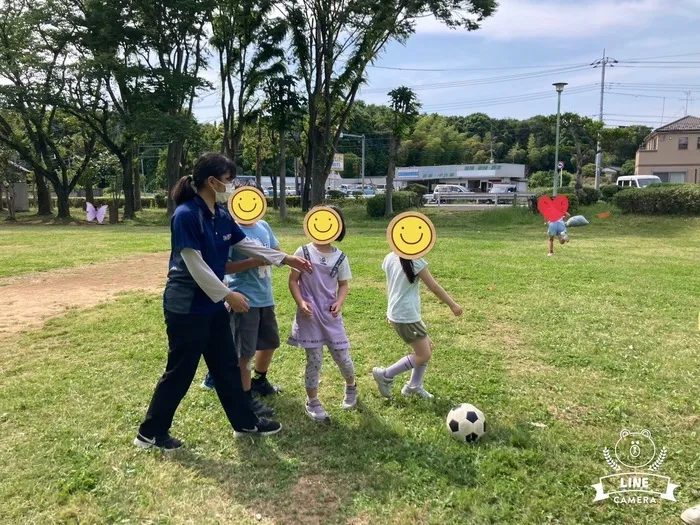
x: 208, y: 165
x: 407, y: 266
x: 342, y: 221
x: 184, y: 190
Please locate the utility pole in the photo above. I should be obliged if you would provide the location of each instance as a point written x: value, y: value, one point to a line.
x: 342, y: 135
x: 599, y: 151
x: 687, y: 100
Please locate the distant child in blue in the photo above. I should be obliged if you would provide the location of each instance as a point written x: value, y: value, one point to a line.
x: 255, y: 331
x: 557, y: 229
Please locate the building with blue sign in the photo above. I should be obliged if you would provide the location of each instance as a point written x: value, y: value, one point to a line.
x: 479, y: 177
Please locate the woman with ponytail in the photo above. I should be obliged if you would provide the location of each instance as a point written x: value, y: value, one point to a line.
x: 404, y: 314
x: 195, y: 299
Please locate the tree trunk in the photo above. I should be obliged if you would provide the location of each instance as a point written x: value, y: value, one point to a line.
x: 283, y: 176
x: 258, y: 158
x: 137, y: 186
x: 172, y: 171
x: 62, y: 201
x: 2, y: 206
x: 89, y: 194
x: 43, y: 195
x: 389, y: 197
x: 128, y: 184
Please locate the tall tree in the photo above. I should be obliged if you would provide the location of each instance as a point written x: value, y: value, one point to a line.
x: 405, y: 107
x: 583, y: 134
x: 285, y: 113
x: 248, y: 41
x: 334, y: 41
x: 35, y: 46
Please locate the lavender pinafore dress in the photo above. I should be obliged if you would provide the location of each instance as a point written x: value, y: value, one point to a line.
x: 319, y: 289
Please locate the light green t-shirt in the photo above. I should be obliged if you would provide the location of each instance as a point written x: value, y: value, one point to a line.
x: 404, y: 297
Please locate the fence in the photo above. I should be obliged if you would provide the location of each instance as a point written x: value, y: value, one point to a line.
x: 479, y: 198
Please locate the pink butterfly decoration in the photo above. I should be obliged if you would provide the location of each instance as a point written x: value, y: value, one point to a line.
x: 96, y: 214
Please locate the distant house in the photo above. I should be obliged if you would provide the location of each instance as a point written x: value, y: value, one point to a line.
x: 672, y: 152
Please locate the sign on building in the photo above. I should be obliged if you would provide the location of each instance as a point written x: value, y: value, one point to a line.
x: 470, y: 171
x: 338, y: 162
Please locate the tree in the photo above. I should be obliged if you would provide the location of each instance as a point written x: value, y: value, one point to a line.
x: 517, y: 155
x: 35, y: 46
x: 285, y: 110
x: 9, y: 176
x: 583, y: 133
x: 248, y: 42
x: 545, y: 179
x: 333, y: 43
x: 628, y: 168
x: 405, y: 106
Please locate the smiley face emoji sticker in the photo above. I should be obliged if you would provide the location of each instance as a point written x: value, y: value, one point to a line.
x: 411, y: 235
x: 323, y: 225
x: 247, y: 205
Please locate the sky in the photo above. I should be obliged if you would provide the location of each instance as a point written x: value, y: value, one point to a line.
x: 507, y: 67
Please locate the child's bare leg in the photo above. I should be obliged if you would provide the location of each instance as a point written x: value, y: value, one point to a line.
x: 551, y: 245
x: 244, y: 365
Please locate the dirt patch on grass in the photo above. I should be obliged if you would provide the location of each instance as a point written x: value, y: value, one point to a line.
x: 29, y: 300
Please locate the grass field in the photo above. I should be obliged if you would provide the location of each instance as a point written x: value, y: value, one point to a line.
x: 601, y: 337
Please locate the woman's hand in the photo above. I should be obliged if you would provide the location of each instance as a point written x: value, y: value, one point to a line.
x: 237, y: 302
x: 298, y: 263
x: 306, y: 309
x: 456, y: 309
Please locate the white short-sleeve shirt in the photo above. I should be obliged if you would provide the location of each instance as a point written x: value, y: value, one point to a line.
x: 404, y: 297
x: 328, y: 259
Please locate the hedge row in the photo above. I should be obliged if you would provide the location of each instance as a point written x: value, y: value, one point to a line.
x: 158, y: 201
x: 660, y: 200
x: 608, y: 191
x: 401, y: 201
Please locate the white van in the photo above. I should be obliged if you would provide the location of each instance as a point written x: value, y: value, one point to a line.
x: 637, y: 181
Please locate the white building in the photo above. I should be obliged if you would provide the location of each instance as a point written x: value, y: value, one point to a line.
x: 479, y: 177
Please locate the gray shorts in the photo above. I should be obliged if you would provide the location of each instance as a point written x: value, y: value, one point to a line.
x: 255, y: 330
x: 411, y: 332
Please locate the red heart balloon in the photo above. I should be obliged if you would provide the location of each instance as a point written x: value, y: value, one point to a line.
x: 553, y: 210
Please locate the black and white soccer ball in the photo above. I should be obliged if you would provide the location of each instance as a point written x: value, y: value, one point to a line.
x: 466, y: 423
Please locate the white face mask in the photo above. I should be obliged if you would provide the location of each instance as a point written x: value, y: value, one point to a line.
x: 222, y: 196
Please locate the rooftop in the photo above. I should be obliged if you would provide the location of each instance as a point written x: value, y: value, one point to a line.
x: 688, y: 123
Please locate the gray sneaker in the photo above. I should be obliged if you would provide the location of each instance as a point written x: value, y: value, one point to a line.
x: 350, y: 400
x: 410, y: 391
x: 315, y: 410
x: 691, y: 516
x: 383, y: 382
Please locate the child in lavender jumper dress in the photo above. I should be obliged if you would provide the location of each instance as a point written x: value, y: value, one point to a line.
x: 320, y: 297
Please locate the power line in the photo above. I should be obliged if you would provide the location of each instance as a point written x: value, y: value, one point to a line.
x: 432, y: 70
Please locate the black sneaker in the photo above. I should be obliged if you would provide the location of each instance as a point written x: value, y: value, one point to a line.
x: 262, y: 387
x: 264, y: 427
x: 166, y: 444
x: 260, y: 409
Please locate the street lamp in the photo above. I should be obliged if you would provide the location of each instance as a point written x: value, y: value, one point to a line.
x: 343, y: 134
x: 560, y: 87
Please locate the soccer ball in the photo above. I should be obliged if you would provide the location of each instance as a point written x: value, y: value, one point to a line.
x: 466, y: 423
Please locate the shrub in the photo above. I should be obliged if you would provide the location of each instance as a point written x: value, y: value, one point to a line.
x: 660, y: 200
x: 418, y: 189
x: 401, y: 201
x: 161, y: 200
x: 336, y: 195
x: 544, y: 179
x: 293, y: 201
x: 588, y: 196
x: 608, y: 191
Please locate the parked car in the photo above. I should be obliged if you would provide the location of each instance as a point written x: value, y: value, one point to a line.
x: 503, y: 188
x: 268, y: 191
x: 380, y: 188
x: 637, y: 181
x: 450, y: 190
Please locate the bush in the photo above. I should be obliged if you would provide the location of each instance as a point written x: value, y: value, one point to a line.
x: 161, y: 200
x: 660, y: 200
x: 545, y: 179
x: 569, y: 194
x: 293, y: 201
x: 588, y: 196
x: 336, y: 195
x: 401, y: 201
x: 608, y: 191
x: 418, y: 189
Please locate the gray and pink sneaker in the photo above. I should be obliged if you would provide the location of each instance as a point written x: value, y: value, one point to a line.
x: 350, y: 400
x: 315, y: 410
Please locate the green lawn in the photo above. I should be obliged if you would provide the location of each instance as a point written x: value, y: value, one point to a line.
x: 601, y: 337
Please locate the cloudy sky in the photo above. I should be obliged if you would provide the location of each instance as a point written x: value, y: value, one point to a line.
x: 507, y: 68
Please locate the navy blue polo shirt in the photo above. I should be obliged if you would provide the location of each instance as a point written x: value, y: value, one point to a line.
x: 193, y: 225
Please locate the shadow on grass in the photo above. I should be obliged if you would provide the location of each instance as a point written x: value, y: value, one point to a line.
x: 313, y: 473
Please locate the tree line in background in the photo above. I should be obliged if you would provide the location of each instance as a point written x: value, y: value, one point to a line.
x: 101, y: 93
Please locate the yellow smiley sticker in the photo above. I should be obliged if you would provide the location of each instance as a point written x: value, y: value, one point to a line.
x: 411, y: 235
x: 247, y: 205
x: 323, y: 225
